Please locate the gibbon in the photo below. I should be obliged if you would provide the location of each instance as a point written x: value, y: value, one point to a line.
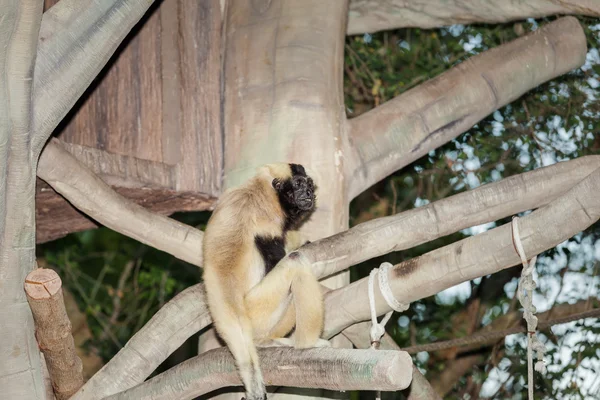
x: 252, y: 299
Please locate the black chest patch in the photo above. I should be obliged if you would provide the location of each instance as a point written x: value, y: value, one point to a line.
x: 271, y: 249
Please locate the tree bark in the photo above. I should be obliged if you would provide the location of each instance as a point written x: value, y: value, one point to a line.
x: 20, y: 364
x: 43, y: 288
x: 420, y: 388
x: 377, y: 15
x: 407, y: 127
x: 332, y: 369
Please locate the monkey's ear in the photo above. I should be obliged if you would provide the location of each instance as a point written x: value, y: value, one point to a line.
x: 276, y: 184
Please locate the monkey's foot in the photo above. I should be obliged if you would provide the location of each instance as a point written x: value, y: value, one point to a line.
x: 279, y: 342
x: 322, y: 343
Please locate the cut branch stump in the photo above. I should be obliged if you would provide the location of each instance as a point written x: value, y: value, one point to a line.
x: 43, y: 288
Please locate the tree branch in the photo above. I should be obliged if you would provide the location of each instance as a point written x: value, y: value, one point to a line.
x: 53, y: 331
x: 86, y: 191
x: 510, y: 324
x: 333, y: 369
x: 407, y: 127
x: 78, y: 39
x: 420, y: 388
x: 470, y: 258
x: 484, y: 204
x: 376, y: 15
x: 172, y: 325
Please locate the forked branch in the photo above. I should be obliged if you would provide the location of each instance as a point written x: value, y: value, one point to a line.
x: 405, y: 128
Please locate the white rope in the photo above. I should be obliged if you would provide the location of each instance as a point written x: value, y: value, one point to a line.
x: 525, y: 295
x: 378, y: 328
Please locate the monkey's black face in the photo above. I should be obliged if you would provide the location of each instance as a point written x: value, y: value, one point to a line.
x: 296, y: 195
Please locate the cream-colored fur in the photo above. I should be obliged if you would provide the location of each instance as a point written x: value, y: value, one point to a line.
x: 247, y: 307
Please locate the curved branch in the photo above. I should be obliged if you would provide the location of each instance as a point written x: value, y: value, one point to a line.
x: 376, y: 15
x: 90, y: 194
x: 480, y: 255
x: 407, y: 127
x: 326, y: 368
x: 78, y: 39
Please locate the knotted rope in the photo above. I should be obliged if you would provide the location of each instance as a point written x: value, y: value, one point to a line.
x: 525, y: 295
x: 378, y: 328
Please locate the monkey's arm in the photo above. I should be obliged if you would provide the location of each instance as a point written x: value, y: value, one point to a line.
x: 294, y: 240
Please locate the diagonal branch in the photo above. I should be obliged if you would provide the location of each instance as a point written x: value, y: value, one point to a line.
x: 376, y: 15
x: 405, y: 128
x: 470, y: 258
x: 325, y: 368
x: 78, y: 39
x: 173, y: 324
x: 512, y: 323
x: 411, y: 228
x: 90, y: 194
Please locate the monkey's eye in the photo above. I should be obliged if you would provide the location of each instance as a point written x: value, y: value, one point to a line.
x: 276, y: 184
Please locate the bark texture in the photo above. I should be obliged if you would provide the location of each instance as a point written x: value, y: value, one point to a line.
x: 487, y: 203
x: 407, y: 127
x: 333, y: 369
x: 283, y: 100
x: 20, y: 363
x: 378, y: 15
x: 43, y: 288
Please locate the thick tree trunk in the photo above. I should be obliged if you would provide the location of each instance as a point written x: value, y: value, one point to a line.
x: 283, y: 100
x: 20, y: 364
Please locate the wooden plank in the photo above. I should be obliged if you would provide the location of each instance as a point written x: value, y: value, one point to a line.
x: 200, y: 52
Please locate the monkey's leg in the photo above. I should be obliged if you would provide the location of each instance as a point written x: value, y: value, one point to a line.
x: 264, y: 302
x: 234, y: 326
